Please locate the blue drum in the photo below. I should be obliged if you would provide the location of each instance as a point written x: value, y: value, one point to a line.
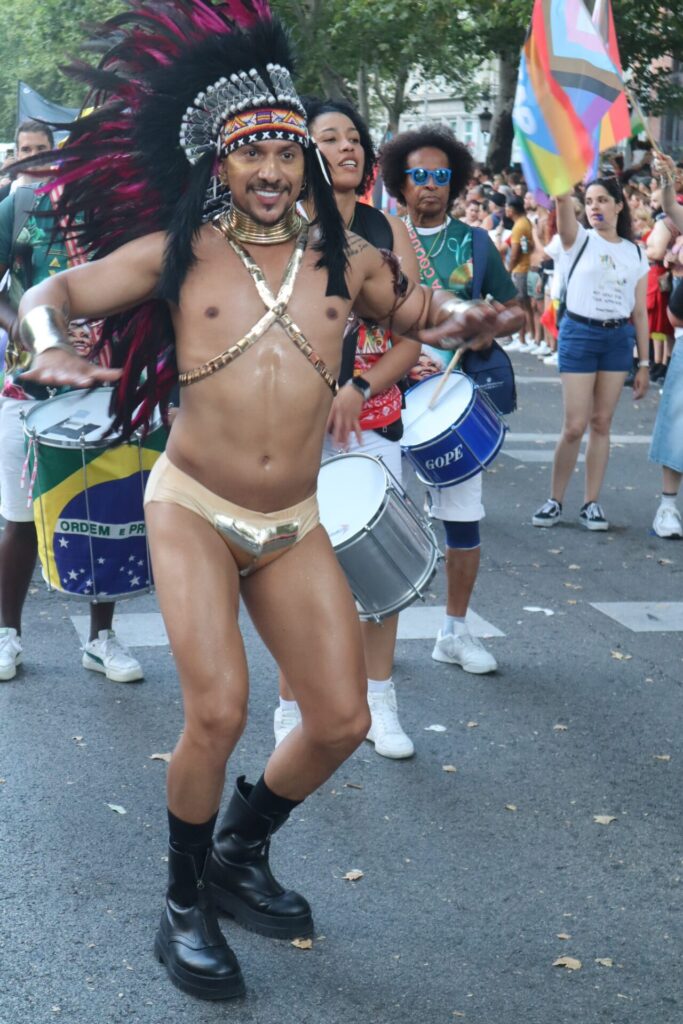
x: 456, y: 439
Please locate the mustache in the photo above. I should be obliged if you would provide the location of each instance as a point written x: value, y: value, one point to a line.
x: 268, y: 186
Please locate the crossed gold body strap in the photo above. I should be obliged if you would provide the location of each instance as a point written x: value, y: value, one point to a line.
x: 276, y: 312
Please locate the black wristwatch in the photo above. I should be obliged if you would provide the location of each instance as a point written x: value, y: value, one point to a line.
x: 362, y: 385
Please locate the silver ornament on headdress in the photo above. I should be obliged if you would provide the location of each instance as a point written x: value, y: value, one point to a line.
x: 202, y: 122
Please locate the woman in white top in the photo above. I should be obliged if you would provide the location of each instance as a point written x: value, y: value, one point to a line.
x: 606, y: 279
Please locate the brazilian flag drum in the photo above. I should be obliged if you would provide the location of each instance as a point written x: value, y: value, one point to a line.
x: 88, y: 496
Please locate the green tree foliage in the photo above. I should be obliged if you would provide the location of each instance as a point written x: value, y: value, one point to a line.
x: 36, y: 37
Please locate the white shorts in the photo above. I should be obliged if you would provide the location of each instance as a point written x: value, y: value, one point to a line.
x: 13, y: 498
x: 373, y: 444
x: 460, y: 503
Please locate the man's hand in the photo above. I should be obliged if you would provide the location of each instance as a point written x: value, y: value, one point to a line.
x: 59, y: 368
x: 476, y: 328
x: 345, y: 416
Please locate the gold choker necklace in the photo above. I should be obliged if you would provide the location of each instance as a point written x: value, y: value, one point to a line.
x: 243, y: 228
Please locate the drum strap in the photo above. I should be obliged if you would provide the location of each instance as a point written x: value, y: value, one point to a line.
x: 276, y: 307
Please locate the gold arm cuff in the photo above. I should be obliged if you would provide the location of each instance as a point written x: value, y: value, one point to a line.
x: 44, y: 327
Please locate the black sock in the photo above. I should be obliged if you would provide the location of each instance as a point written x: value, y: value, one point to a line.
x: 185, y: 837
x: 264, y: 801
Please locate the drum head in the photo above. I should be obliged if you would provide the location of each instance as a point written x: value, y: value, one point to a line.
x: 420, y: 423
x: 72, y: 419
x: 351, y: 489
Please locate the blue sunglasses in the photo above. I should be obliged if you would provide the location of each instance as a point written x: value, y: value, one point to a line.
x: 421, y: 175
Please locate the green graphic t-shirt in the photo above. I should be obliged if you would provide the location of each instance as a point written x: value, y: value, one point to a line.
x: 31, y: 258
x: 450, y: 254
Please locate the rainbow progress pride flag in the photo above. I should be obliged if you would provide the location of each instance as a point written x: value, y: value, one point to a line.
x: 566, y: 85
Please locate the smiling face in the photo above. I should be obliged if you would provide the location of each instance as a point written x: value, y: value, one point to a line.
x: 427, y: 204
x: 265, y: 178
x: 339, y: 141
x: 602, y: 210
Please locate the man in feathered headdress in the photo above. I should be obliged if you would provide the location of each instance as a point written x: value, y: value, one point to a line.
x: 192, y: 106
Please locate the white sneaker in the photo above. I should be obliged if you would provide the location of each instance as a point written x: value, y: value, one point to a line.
x: 530, y: 339
x: 543, y: 350
x: 385, y: 731
x: 10, y: 653
x: 552, y: 360
x: 667, y: 522
x: 112, y: 658
x: 534, y: 348
x: 465, y: 650
x: 514, y: 346
x: 284, y: 720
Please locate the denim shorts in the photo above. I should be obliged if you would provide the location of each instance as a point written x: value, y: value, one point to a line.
x: 586, y: 349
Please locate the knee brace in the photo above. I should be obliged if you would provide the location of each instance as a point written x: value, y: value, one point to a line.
x: 463, y: 536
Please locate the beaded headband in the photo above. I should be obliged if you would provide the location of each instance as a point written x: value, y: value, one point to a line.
x: 241, y: 109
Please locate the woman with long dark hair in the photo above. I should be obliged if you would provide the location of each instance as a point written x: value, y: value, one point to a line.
x: 368, y: 406
x: 605, y: 278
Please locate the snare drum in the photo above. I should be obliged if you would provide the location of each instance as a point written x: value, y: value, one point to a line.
x: 455, y: 440
x: 88, y: 497
x: 386, y: 549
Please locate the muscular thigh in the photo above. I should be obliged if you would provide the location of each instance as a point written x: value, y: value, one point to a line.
x: 302, y: 607
x: 197, y: 585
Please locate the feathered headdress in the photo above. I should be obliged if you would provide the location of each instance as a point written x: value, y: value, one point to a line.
x: 180, y: 85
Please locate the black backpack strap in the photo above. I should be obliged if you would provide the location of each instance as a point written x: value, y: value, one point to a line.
x: 24, y: 201
x: 480, y: 255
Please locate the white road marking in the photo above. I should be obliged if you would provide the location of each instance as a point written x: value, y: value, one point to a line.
x: 514, y: 438
x: 537, y: 380
x: 645, y: 616
x: 535, y: 454
x: 146, y: 629
x: 421, y: 622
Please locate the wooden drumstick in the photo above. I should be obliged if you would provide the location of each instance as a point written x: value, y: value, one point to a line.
x: 457, y: 356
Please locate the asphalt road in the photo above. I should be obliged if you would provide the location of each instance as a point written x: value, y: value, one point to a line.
x: 475, y: 881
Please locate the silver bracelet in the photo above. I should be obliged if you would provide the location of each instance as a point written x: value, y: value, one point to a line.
x: 460, y: 306
x: 665, y: 182
x: 43, y: 328
x: 643, y: 363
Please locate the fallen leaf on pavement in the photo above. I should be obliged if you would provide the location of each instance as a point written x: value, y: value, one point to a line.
x: 472, y: 725
x: 160, y: 757
x: 510, y: 807
x: 448, y: 768
x: 560, y: 728
x: 353, y: 875
x: 117, y: 808
x: 620, y: 656
x: 570, y: 962
x: 662, y: 757
x: 574, y: 586
x: 435, y: 728
x: 603, y: 819
x: 573, y: 566
x: 533, y: 608
x: 563, y: 935
x: 352, y: 785
x: 604, y: 961
x: 665, y: 561
x: 302, y: 943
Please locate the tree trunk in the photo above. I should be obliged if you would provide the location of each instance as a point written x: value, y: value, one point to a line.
x: 500, y: 144
x: 363, y: 98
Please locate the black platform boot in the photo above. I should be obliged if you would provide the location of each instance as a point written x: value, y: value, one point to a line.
x: 189, y: 940
x: 241, y: 880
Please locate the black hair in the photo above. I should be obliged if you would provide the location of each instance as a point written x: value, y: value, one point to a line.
x: 516, y: 203
x: 35, y: 126
x: 394, y: 155
x: 612, y: 186
x: 315, y: 107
